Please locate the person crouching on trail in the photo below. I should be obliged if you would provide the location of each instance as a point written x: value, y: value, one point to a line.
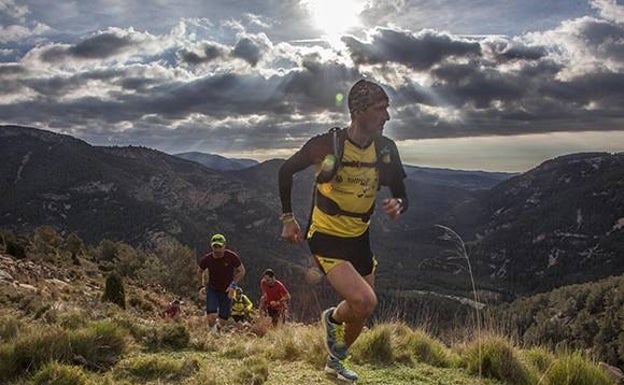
x: 351, y: 163
x: 241, y: 306
x: 275, y: 297
x: 225, y: 271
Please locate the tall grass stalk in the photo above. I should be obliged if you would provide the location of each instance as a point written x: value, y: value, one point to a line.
x: 461, y: 253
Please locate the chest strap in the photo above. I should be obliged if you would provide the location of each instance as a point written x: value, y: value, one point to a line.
x: 359, y: 164
x: 330, y: 207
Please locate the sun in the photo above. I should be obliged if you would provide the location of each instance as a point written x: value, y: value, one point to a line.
x: 334, y: 17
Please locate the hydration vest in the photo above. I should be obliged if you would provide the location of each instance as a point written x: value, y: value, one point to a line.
x: 333, y: 162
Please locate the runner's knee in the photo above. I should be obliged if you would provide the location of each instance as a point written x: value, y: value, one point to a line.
x: 363, y: 304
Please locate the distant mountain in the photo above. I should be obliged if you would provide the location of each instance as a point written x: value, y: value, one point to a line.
x: 560, y: 223
x: 217, y: 162
x: 469, y: 180
x: 132, y: 194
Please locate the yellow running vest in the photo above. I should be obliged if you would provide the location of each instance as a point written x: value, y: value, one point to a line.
x: 353, y: 188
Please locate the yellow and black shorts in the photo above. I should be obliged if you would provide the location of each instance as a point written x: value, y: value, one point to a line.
x: 329, y: 251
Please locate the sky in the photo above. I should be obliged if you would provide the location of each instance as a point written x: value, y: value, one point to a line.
x: 473, y: 84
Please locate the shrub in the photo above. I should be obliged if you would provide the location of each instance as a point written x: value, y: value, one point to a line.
x: 211, y: 376
x: 55, y: 373
x: 375, y: 346
x: 540, y: 358
x: 9, y: 327
x: 7, y: 362
x: 137, y: 330
x: 254, y: 371
x: 149, y: 368
x: 573, y: 369
x: 31, y: 350
x: 167, y: 336
x: 426, y: 349
x: 99, y: 345
x: 494, y: 357
x: 293, y: 343
x: 114, y: 290
x: 73, y: 319
x: 16, y: 249
x: 138, y: 302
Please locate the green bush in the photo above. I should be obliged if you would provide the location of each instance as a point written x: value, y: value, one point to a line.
x: 7, y: 362
x: 138, y: 302
x: 9, y: 327
x: 55, y: 373
x: 167, y: 336
x: 16, y: 249
x: 426, y: 349
x: 540, y: 358
x: 32, y: 350
x: 494, y: 357
x: 73, y: 319
x: 99, y: 345
x: 148, y: 368
x: 375, y: 346
x: 254, y: 371
x: 114, y: 290
x: 573, y: 369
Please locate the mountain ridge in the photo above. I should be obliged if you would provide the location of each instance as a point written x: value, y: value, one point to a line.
x: 139, y: 195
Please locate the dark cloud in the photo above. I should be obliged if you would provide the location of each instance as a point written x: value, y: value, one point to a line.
x: 209, y: 53
x: 598, y: 91
x: 248, y: 50
x: 506, y: 51
x: 54, y: 54
x: 11, y: 69
x: 100, y: 46
x: 137, y: 83
x: 418, y: 51
x: 605, y: 38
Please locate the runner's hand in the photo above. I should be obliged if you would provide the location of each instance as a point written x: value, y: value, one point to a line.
x: 393, y: 207
x: 292, y: 232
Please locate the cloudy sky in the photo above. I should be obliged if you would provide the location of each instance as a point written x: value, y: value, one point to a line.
x: 474, y: 84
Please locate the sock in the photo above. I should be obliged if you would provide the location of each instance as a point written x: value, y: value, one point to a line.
x: 333, y: 320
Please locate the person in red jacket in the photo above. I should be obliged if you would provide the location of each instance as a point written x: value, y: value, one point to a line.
x: 275, y: 297
x: 173, y: 310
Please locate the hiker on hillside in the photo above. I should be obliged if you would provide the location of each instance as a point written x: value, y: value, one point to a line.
x: 173, y: 310
x: 275, y: 297
x: 242, y: 306
x: 225, y: 270
x: 351, y: 163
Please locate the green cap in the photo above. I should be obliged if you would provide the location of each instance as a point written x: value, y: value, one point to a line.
x: 217, y: 240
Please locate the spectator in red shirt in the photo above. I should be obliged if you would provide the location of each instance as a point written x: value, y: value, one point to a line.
x: 225, y: 271
x: 275, y: 297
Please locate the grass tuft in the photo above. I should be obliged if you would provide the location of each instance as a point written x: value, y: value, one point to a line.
x: 9, y: 327
x: 494, y: 357
x: 573, y: 369
x: 167, y: 337
x: 539, y: 357
x: 157, y: 367
x: 55, y: 373
x: 375, y: 346
x: 254, y: 371
x: 426, y: 349
x: 99, y: 345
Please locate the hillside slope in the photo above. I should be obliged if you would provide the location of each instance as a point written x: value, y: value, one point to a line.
x: 560, y: 223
